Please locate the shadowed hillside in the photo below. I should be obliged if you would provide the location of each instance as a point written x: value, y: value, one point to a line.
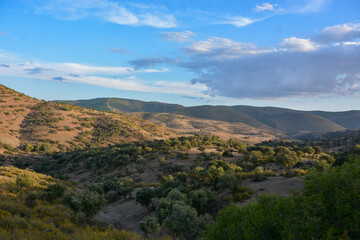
x: 347, y: 119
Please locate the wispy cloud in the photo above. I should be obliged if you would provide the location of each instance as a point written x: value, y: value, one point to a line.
x: 312, y: 6
x: 122, y: 78
x: 119, y: 50
x: 108, y: 11
x: 179, y: 37
x: 3, y: 33
x: 240, y: 21
x: 36, y: 70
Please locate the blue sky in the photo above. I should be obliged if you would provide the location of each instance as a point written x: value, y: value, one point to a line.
x: 302, y: 54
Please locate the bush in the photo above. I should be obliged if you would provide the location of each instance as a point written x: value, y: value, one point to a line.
x: 149, y: 225
x: 53, y: 192
x: 23, y: 180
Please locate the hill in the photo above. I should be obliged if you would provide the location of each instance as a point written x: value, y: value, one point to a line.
x: 347, y: 119
x: 31, y: 123
x: 33, y: 206
x: 280, y: 120
x: 186, y: 125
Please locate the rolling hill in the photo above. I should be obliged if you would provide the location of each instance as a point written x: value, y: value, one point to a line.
x: 347, y: 119
x: 280, y: 120
x: 29, y: 122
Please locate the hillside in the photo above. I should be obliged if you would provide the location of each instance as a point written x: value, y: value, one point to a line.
x: 347, y: 119
x: 289, y: 121
x: 281, y: 120
x: 189, y: 125
x: 26, y: 122
x: 33, y: 206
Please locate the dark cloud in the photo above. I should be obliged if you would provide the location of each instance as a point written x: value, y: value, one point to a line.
x: 36, y: 70
x: 59, y: 79
x: 74, y: 75
x: 119, y: 50
x: 149, y: 62
x: 4, y: 65
x: 192, y: 97
x: 326, y: 71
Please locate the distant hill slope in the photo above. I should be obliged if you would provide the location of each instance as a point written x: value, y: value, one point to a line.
x: 25, y: 120
x: 289, y: 121
x: 281, y: 120
x: 347, y: 119
x: 225, y: 130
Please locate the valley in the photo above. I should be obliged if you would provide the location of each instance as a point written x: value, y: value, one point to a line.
x: 158, y: 175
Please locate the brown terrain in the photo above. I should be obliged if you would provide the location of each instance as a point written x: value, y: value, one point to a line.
x: 186, y: 125
x: 24, y: 119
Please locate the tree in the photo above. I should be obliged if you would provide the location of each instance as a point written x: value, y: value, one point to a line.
x: 149, y: 225
x: 87, y: 202
x: 288, y: 159
x: 183, y: 221
x: 228, y: 179
x: 144, y: 196
x: 72, y: 200
x: 163, y: 209
x: 53, y: 192
x: 91, y: 203
x: 176, y: 195
x: 308, y: 149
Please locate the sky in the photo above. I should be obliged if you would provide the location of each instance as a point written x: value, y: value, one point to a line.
x: 299, y: 54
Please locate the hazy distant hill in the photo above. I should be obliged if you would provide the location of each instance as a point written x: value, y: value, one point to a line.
x: 347, y: 119
x: 279, y: 120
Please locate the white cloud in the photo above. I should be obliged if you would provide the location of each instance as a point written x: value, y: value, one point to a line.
x: 344, y: 32
x: 109, y: 11
x: 298, y: 44
x: 265, y: 7
x: 179, y: 37
x: 222, y: 48
x: 240, y: 21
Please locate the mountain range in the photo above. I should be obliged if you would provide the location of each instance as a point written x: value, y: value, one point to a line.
x: 274, y: 119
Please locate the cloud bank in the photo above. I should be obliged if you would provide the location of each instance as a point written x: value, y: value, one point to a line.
x: 296, y: 67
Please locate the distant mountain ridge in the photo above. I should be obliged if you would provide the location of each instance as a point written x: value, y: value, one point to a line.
x: 280, y: 120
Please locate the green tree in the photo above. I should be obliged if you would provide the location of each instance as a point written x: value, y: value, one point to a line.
x: 91, y: 203
x: 149, y: 225
x: 53, y: 192
x: 144, y: 196
x: 183, y: 221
